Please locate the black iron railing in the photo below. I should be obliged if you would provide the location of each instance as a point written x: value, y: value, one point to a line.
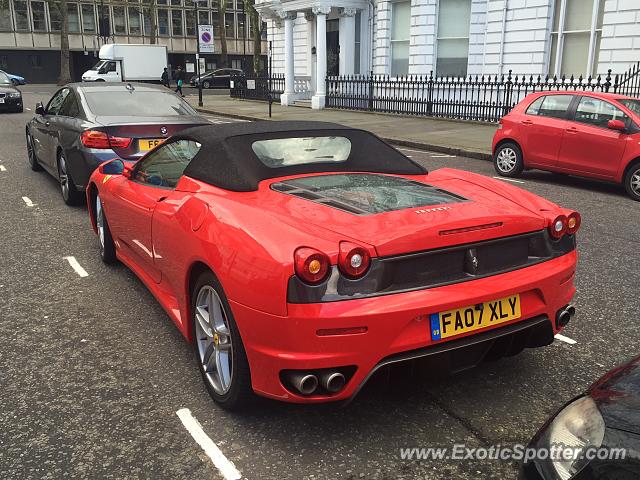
x: 629, y: 82
x: 480, y: 98
x: 257, y: 87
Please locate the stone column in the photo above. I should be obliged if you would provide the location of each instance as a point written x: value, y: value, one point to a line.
x: 288, y: 97
x: 318, y: 100
x: 311, y: 41
x: 347, y: 40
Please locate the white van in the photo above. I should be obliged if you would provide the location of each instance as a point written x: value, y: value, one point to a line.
x: 128, y: 63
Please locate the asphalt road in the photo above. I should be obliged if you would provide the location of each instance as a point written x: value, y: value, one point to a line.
x: 92, y: 371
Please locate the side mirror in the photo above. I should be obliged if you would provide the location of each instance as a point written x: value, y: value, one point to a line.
x: 112, y: 167
x: 39, y: 109
x: 618, y: 125
x: 128, y: 170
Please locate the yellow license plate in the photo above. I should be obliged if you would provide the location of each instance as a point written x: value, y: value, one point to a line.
x: 149, y: 143
x: 462, y: 320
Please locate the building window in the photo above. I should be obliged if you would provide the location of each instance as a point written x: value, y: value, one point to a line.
x: 146, y: 17
x: 88, y: 19
x: 22, y: 14
x: 203, y: 17
x: 190, y: 19
x: 134, y: 21
x: 39, y: 17
x: 400, y: 23
x: 176, y: 3
x: 215, y: 23
x: 575, y: 38
x: 163, y: 22
x: 73, y: 18
x: 454, y: 19
x: 241, y: 25
x: 119, y: 22
x: 104, y: 20
x: 229, y: 4
x: 356, y: 66
x: 5, y: 17
x: 228, y: 25
x: 55, y: 20
x: 176, y: 23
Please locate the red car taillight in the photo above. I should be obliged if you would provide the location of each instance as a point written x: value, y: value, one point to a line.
x: 574, y: 220
x: 353, y: 260
x: 558, y: 227
x: 101, y: 140
x: 311, y: 265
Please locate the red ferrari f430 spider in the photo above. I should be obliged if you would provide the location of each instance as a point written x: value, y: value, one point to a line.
x: 301, y: 257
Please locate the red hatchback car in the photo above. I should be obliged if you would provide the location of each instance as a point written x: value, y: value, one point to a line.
x: 580, y: 133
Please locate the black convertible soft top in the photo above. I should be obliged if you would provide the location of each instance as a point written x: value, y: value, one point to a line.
x: 226, y: 159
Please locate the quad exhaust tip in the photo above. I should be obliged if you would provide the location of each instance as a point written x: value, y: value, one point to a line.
x: 332, y: 382
x: 564, y: 316
x: 304, y: 383
x: 307, y: 383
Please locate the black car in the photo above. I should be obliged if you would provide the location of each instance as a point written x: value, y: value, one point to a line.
x: 85, y: 124
x: 603, y: 423
x: 10, y: 96
x: 220, y: 78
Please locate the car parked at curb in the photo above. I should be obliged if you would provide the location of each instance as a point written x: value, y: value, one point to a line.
x: 301, y: 257
x: 15, y: 79
x: 588, y: 134
x: 220, y: 78
x: 85, y: 124
x: 600, y: 429
x: 10, y: 96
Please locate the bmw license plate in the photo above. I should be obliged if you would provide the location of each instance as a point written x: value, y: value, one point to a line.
x: 462, y: 320
x: 1, y: 100
x: 146, y: 144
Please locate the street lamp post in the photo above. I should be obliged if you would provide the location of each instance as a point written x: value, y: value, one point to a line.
x: 195, y: 3
x: 244, y: 39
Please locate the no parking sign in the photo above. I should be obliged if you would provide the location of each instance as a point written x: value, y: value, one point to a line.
x: 205, y: 38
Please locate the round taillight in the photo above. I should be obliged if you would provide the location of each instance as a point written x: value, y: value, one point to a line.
x: 573, y: 222
x: 558, y: 227
x: 353, y: 260
x: 311, y: 265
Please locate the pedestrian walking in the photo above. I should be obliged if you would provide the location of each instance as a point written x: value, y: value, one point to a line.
x: 165, y: 78
x: 179, y: 80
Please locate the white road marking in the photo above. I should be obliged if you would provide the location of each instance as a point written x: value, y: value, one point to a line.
x: 568, y: 340
x: 2, y: 169
x: 76, y: 266
x: 441, y: 156
x: 508, y: 180
x: 409, y: 156
x: 224, y: 466
x: 28, y: 201
x: 28, y: 108
x: 410, y: 150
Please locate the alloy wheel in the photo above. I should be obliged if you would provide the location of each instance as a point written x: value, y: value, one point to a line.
x: 635, y: 182
x: 100, y: 222
x: 30, y: 152
x: 507, y: 160
x: 213, y: 338
x: 64, y: 177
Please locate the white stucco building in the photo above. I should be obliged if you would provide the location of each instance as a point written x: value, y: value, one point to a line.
x: 314, y: 38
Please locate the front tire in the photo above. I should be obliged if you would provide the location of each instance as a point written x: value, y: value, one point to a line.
x: 70, y: 193
x: 219, y: 351
x: 632, y: 182
x: 206, y: 84
x: 508, y: 160
x: 31, y: 155
x: 107, y: 247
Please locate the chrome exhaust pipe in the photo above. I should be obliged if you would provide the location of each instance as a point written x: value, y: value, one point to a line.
x: 305, y: 383
x: 332, y: 382
x: 564, y: 316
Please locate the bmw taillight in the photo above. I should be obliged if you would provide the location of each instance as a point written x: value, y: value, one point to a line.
x: 353, y: 260
x: 311, y: 265
x: 574, y: 220
x: 558, y: 227
x: 101, y: 140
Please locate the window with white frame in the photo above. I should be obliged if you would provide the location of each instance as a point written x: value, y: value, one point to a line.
x: 119, y: 22
x: 575, y: 38
x: 135, y: 27
x: 454, y: 19
x: 400, y: 24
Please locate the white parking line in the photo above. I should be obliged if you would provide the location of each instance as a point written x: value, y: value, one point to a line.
x: 564, y: 339
x: 2, y: 168
x: 410, y: 150
x: 224, y: 466
x: 28, y: 202
x: 76, y: 266
x: 28, y: 108
x: 442, y: 156
x: 508, y: 180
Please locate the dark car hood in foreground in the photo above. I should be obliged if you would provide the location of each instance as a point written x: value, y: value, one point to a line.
x: 617, y: 395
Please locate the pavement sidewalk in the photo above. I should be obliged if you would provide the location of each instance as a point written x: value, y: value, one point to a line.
x: 469, y: 139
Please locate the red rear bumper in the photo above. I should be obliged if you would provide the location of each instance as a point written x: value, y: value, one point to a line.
x: 395, y: 324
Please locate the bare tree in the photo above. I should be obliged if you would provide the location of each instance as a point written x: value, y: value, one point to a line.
x: 152, y: 9
x: 60, y: 8
x: 256, y: 28
x: 222, y: 32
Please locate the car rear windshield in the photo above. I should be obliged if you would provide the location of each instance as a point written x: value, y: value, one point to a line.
x: 136, y: 103
x: 284, y: 152
x: 633, y: 105
x: 364, y: 193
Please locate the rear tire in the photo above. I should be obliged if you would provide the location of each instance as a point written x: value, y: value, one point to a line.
x: 70, y: 193
x: 105, y: 240
x: 508, y: 160
x: 632, y: 181
x: 31, y: 155
x: 206, y: 84
x: 218, y: 347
